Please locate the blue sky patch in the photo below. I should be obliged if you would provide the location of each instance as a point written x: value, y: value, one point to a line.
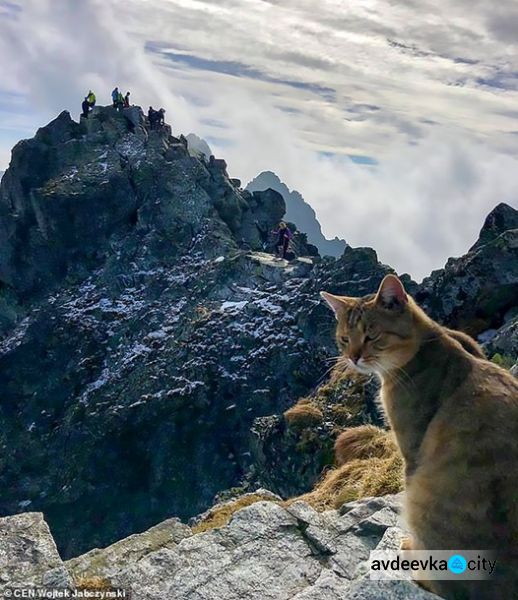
x: 237, y: 69
x: 500, y: 80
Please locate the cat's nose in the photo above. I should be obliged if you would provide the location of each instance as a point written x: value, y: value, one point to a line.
x: 355, y: 358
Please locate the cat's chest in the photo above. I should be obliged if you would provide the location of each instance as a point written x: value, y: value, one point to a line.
x: 398, y: 406
x: 406, y: 417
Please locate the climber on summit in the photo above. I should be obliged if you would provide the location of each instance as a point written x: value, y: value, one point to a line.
x: 115, y: 97
x: 127, y: 100
x: 161, y: 117
x: 85, y: 106
x: 156, y: 117
x: 284, y: 236
x: 91, y: 99
x: 151, y: 115
x: 120, y: 102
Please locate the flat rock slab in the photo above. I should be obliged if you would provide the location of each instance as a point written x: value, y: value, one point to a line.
x: 28, y: 555
x: 108, y: 561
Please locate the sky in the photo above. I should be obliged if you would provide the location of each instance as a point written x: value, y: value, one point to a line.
x: 396, y: 120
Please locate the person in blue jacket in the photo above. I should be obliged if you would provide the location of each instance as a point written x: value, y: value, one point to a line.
x: 115, y: 97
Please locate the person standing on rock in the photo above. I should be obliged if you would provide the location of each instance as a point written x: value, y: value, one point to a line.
x: 91, y: 99
x: 151, y: 115
x: 161, y: 117
x: 115, y: 97
x: 86, y: 108
x: 127, y: 100
x: 284, y: 236
x: 155, y: 117
x: 120, y: 102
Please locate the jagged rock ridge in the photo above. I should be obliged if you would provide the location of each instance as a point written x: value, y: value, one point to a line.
x: 265, y: 551
x: 479, y: 290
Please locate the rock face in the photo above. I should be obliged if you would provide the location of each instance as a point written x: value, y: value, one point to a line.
x: 271, y: 552
x: 476, y: 291
x: 290, y: 455
x: 109, y: 562
x: 28, y: 554
x: 74, y: 186
x: 300, y: 212
x: 265, y: 551
x: 501, y: 219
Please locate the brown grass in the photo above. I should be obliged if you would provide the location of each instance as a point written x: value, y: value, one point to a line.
x: 363, y: 442
x: 221, y: 515
x: 93, y: 583
x: 303, y: 414
x: 370, y: 466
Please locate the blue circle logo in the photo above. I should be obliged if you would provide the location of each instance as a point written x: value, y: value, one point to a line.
x: 457, y: 564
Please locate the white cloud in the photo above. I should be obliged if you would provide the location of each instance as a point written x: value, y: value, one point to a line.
x: 419, y: 206
x: 416, y: 86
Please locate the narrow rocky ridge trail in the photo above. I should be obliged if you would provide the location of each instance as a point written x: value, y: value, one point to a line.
x: 149, y: 346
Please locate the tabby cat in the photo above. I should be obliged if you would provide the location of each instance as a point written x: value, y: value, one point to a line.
x: 455, y: 419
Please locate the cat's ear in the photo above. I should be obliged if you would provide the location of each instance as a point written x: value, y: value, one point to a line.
x: 391, y: 293
x: 338, y: 304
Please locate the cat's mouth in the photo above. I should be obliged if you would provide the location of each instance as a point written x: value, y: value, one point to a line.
x: 362, y: 366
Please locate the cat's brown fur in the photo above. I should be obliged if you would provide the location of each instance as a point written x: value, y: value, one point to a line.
x: 455, y: 418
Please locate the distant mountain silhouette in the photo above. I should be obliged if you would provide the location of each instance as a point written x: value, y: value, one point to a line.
x: 197, y: 146
x: 299, y: 212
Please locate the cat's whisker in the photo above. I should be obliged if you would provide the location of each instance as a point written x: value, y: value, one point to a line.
x: 332, y: 358
x: 391, y: 372
x: 342, y: 365
x: 404, y: 376
x: 334, y: 366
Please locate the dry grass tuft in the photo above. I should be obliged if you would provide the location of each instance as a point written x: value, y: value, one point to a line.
x: 369, y: 465
x: 219, y: 516
x: 303, y: 414
x: 363, y: 442
x: 93, y: 583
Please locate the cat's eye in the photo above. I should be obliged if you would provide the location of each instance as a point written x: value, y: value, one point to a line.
x: 371, y: 337
x: 344, y: 340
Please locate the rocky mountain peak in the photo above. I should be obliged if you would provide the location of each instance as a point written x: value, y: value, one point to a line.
x: 75, y: 187
x: 135, y: 306
x: 502, y: 218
